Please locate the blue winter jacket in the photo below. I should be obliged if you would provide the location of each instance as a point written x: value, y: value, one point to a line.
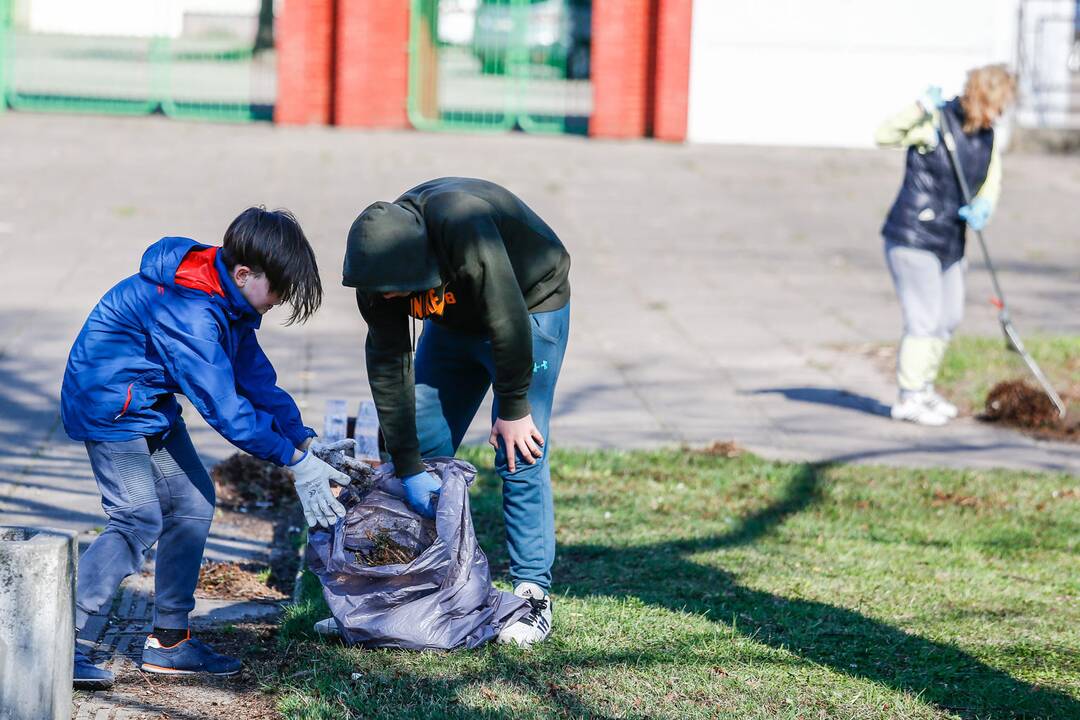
x: 180, y: 326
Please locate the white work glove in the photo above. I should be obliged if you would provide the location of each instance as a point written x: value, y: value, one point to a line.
x: 312, y: 478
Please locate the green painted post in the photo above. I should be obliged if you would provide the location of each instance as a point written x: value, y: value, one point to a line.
x: 497, y: 80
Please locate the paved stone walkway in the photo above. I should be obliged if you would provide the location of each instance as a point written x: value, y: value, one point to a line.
x: 114, y: 641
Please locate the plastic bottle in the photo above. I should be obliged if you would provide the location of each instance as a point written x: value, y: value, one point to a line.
x: 335, y: 421
x: 366, y: 433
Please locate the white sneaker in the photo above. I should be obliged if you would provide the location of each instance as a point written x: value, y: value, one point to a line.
x: 535, y: 626
x: 939, y: 404
x: 327, y: 628
x: 915, y: 409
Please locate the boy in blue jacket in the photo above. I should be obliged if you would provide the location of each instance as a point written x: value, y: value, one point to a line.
x: 185, y: 324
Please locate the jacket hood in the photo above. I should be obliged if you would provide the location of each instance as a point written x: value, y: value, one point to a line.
x: 163, y: 259
x: 388, y: 251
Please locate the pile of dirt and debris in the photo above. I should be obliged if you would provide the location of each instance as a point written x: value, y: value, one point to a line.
x: 381, y: 529
x: 723, y: 448
x: 245, y: 483
x: 232, y: 581
x: 384, y: 550
x: 1020, y: 404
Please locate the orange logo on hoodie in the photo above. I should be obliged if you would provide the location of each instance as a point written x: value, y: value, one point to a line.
x: 433, y: 302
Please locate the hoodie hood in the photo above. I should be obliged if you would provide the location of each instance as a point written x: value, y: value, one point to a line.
x: 160, y: 261
x: 204, y: 270
x: 388, y: 251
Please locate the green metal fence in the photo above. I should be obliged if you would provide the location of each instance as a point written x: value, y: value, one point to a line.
x: 4, y: 59
x: 190, y: 78
x: 5, y: 24
x: 203, y: 80
x: 492, y: 65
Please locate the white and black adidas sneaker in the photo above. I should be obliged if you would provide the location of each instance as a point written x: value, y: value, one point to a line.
x: 535, y: 626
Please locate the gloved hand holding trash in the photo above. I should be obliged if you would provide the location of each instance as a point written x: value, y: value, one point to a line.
x: 422, y: 493
x: 312, y: 480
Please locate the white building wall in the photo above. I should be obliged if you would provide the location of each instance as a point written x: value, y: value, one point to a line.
x: 1046, y: 35
x: 827, y: 72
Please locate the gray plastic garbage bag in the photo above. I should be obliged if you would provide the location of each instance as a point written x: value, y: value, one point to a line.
x: 442, y: 600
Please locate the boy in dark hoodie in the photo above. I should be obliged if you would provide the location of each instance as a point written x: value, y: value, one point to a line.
x: 185, y: 324
x: 489, y: 280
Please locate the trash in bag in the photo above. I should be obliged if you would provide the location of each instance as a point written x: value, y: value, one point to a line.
x: 439, y: 596
x: 382, y: 530
x: 341, y: 456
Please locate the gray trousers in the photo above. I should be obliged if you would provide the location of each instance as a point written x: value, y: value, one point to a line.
x: 154, y: 490
x: 932, y: 302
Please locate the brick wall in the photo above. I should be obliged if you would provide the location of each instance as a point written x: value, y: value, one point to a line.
x: 621, y: 59
x: 346, y: 62
x: 304, y: 33
x: 371, y: 79
x: 672, y: 75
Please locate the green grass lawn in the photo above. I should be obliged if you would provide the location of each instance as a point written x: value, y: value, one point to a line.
x: 973, y: 365
x: 695, y: 586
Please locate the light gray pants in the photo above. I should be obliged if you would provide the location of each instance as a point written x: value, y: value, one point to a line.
x: 932, y: 301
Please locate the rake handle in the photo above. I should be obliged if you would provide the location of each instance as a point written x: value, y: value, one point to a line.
x: 949, y: 141
x: 998, y: 300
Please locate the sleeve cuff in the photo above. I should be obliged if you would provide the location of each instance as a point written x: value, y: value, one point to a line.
x: 284, y: 452
x: 408, y: 463
x: 513, y: 407
x: 300, y: 434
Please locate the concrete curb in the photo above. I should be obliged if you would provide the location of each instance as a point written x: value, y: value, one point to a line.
x: 37, y: 622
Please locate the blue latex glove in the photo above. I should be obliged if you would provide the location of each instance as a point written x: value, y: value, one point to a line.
x: 931, y: 99
x: 976, y: 214
x: 422, y: 493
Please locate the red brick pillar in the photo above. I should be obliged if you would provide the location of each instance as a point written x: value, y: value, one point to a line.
x: 371, y: 83
x: 622, y: 39
x: 672, y: 79
x: 304, y: 37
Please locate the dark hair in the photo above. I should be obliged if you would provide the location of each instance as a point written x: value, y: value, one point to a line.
x: 271, y: 242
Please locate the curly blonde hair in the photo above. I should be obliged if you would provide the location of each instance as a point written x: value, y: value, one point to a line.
x: 988, y: 91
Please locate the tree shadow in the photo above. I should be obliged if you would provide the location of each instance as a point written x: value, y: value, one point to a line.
x: 665, y: 575
x: 837, y: 397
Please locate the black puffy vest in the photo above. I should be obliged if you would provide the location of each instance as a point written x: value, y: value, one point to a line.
x: 925, y: 212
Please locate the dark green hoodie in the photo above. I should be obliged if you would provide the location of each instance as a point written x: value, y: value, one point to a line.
x: 474, y: 258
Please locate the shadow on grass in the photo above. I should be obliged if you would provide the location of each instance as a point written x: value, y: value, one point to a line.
x: 389, y: 687
x: 662, y: 574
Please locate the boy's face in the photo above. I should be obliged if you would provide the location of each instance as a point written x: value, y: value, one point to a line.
x: 255, y: 287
